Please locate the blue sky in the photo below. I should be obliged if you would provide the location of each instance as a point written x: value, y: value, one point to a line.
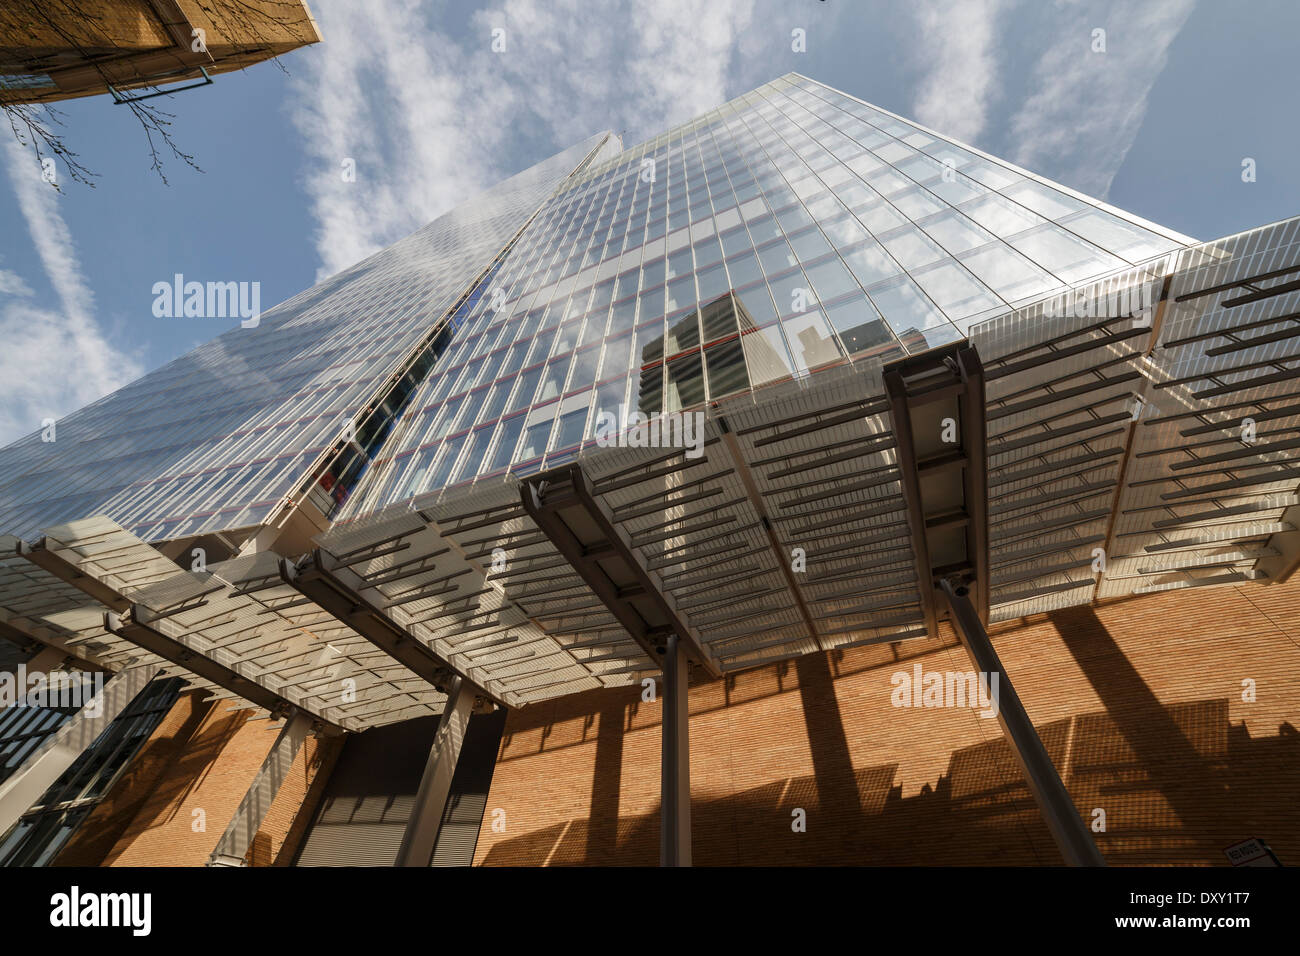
x: 1157, y: 124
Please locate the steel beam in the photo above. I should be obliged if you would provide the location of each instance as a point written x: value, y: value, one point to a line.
x: 975, y: 473
x: 137, y: 625
x: 563, y: 505
x: 675, y: 760
x: 47, y: 763
x: 39, y: 554
x: 233, y: 846
x: 314, y: 576
x: 1063, y: 820
x: 435, y: 785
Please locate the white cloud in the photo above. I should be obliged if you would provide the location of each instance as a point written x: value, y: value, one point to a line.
x: 1088, y: 106
x: 53, y: 361
x: 11, y: 283
x: 430, y: 119
x: 960, y: 50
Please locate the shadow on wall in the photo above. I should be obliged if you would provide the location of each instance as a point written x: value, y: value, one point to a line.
x: 1177, y: 783
x: 1230, y: 787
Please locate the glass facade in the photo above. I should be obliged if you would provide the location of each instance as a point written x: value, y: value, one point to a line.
x: 46, y: 827
x: 215, y: 439
x: 792, y: 229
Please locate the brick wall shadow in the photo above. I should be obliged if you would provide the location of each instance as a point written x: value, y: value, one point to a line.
x: 981, y: 811
x: 94, y: 840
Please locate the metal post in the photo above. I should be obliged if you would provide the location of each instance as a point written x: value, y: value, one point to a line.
x: 435, y: 786
x: 41, y: 769
x: 233, y: 846
x: 1063, y: 820
x: 675, y: 765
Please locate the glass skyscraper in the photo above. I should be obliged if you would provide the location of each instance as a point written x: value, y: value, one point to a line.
x: 792, y: 229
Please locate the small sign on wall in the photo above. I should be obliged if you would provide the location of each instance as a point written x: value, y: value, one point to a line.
x: 1253, y: 852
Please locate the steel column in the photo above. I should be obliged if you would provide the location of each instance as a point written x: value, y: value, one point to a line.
x: 675, y: 760
x: 435, y: 786
x: 1063, y: 820
x: 20, y: 792
x: 233, y: 846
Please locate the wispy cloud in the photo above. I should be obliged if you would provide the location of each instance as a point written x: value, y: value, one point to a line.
x: 11, y: 283
x: 54, y: 360
x: 1088, y: 106
x: 430, y: 119
x: 960, y: 52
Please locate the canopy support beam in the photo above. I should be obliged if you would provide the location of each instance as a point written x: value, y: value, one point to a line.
x: 435, y: 785
x: 675, y: 760
x: 232, y: 848
x: 1054, y: 801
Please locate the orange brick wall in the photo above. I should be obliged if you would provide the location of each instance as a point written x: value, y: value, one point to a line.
x: 104, y: 827
x: 1140, y: 704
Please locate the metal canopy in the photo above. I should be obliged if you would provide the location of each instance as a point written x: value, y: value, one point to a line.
x: 279, y: 649
x: 480, y: 586
x: 563, y: 507
x: 1140, y: 434
x: 55, y: 609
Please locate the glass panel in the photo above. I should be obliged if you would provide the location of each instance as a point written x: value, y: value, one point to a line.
x: 685, y: 382
x: 955, y: 291
x: 474, y: 453
x: 767, y: 355
x: 609, y: 399
x: 1000, y: 216
x: 527, y: 388
x: 831, y: 280
x: 584, y: 368
x: 744, y: 269
x: 1008, y: 273
x: 1043, y: 200
x: 904, y: 308
x: 811, y: 339
x: 859, y: 325
x: 1067, y: 257
x: 718, y: 319
x: 649, y: 343
x: 617, y: 357
x: 507, y: 438
x: 1118, y: 236
x: 727, y: 373
x: 955, y: 232
x: 534, y: 441
x: 870, y: 264
x: 447, y: 458
x: 553, y: 381
x: 649, y: 395
x: 683, y: 333
x: 571, y: 428
x: 912, y: 248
